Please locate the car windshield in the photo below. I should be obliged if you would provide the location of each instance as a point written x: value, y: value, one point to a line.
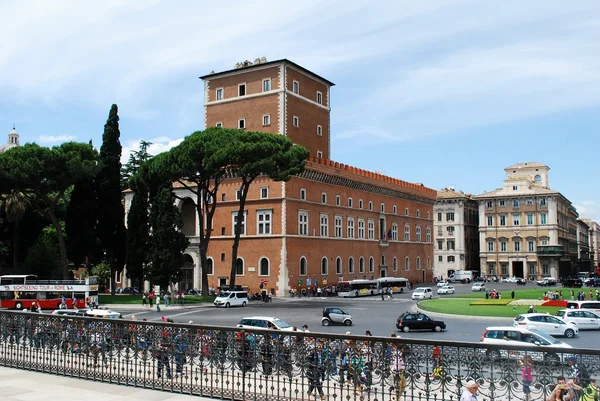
x: 547, y: 337
x: 224, y: 294
x: 560, y: 313
x: 281, y: 324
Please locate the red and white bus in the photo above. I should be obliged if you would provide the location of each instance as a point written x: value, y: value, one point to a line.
x: 23, y: 290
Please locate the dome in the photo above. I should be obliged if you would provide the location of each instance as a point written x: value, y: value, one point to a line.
x: 13, y: 141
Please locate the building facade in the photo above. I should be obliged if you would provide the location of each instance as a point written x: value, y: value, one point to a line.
x: 584, y: 262
x: 456, y: 225
x: 331, y: 223
x: 594, y: 243
x: 527, y: 229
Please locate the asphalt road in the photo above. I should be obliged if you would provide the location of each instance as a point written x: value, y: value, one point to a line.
x: 368, y: 313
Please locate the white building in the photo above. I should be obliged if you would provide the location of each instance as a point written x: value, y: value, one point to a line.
x: 527, y: 229
x: 13, y: 141
x: 456, y: 224
x: 594, y: 242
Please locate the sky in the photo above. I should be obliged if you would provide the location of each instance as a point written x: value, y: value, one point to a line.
x: 444, y: 93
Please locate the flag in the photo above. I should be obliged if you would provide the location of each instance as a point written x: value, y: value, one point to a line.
x: 389, y: 234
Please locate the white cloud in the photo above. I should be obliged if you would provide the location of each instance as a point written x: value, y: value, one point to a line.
x: 159, y: 145
x: 56, y: 138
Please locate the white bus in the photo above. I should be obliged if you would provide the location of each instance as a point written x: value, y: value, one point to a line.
x: 356, y: 288
x: 398, y: 284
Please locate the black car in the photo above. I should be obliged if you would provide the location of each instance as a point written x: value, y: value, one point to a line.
x: 572, y: 283
x: 130, y: 290
x: 593, y: 282
x: 418, y: 321
x: 521, y: 281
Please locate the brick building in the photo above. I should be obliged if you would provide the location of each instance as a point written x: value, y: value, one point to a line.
x: 333, y: 222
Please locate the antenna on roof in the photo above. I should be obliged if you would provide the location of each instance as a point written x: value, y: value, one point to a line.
x: 379, y: 171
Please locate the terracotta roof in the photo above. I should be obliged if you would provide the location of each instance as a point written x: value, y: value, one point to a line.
x: 452, y: 194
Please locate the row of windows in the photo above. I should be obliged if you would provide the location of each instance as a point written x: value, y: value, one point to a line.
x: 360, y: 231
x: 266, y: 121
x: 491, y: 246
x: 516, y: 202
x: 264, y: 266
x: 350, y: 204
x: 531, y: 269
x: 516, y: 219
x: 266, y: 87
x: 339, y: 268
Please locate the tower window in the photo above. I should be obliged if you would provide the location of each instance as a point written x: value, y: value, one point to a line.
x: 241, y: 123
x: 242, y: 90
x: 319, y: 98
x: 219, y: 93
x: 266, y: 119
x: 266, y: 85
x: 296, y: 121
x: 319, y: 130
x: 296, y: 87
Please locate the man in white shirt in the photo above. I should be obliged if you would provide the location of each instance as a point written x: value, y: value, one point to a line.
x: 470, y: 391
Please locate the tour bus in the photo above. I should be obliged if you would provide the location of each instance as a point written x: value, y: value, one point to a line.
x: 23, y: 291
x: 398, y: 284
x: 356, y: 288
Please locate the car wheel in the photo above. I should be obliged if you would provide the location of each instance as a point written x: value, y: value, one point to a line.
x: 18, y: 306
x: 325, y: 322
x: 493, y: 354
x: 569, y: 333
x: 243, y: 303
x: 61, y: 306
x: 437, y: 328
x: 348, y: 322
x: 551, y: 358
x: 406, y: 329
x: 227, y: 305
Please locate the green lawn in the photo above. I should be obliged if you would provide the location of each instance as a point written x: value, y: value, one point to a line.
x: 107, y: 299
x: 527, y: 293
x: 464, y: 307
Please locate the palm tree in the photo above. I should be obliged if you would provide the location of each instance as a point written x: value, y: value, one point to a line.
x: 15, y: 204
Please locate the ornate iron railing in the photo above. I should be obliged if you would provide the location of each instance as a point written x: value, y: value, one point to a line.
x: 236, y: 364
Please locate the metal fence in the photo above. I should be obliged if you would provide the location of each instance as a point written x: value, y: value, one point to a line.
x: 236, y: 364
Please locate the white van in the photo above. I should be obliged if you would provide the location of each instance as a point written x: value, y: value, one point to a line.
x: 422, y: 293
x: 231, y: 298
x: 594, y: 306
x: 103, y: 313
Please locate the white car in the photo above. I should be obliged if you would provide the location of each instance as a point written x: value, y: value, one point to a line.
x: 442, y: 283
x: 231, y: 298
x: 478, y: 287
x: 509, y: 280
x: 582, y: 318
x: 520, y: 336
x: 447, y: 289
x: 422, y: 293
x: 264, y: 322
x: 546, y: 323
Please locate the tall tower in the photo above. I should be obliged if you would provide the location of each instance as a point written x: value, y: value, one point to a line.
x: 278, y: 96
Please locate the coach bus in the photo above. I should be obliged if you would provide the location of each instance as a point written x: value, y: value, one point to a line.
x: 398, y: 284
x: 23, y: 291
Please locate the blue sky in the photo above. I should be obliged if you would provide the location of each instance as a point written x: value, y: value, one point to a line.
x: 447, y: 93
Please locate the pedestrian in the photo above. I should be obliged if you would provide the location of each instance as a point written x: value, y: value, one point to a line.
x: 166, y: 298
x: 182, y: 298
x: 162, y: 355
x: 158, y: 304
x: 144, y: 299
x: 470, y: 391
x: 382, y: 293
x: 512, y: 294
x: 305, y: 328
x: 63, y: 301
x: 590, y: 392
x: 151, y: 298
x: 315, y: 370
x: 526, y: 365
x: 487, y: 294
x: 270, y: 297
x: 390, y: 293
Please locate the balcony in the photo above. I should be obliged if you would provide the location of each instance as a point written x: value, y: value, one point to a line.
x: 550, y: 251
x: 383, y: 243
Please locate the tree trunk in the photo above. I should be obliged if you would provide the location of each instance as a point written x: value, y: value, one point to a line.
x: 61, y: 245
x: 238, y: 231
x: 16, y: 246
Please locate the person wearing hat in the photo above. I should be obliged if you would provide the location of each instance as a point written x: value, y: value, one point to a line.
x: 470, y: 391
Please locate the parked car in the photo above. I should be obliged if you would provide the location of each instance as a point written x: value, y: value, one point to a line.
x: 442, y: 283
x: 509, y: 280
x: 193, y: 291
x: 547, y: 282
x: 231, y: 298
x: 130, y: 290
x: 521, y: 281
x: 572, y: 283
x: 333, y: 314
x: 592, y: 282
x: 478, y: 287
x: 447, y: 289
x: 422, y: 293
x: 546, y: 323
x: 521, y: 336
x: 264, y: 322
x: 418, y: 321
x: 582, y: 318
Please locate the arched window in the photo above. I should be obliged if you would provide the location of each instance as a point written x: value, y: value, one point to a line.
x: 361, y: 265
x: 395, y: 264
x: 371, y: 264
x: 406, y: 264
x: 338, y: 266
x: 537, y: 179
x: 324, y: 270
x: 239, y: 271
x: 418, y: 263
x: 303, y: 266
x: 350, y: 265
x: 210, y: 266
x: 264, y: 267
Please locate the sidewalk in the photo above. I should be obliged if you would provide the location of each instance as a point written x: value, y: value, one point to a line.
x: 19, y: 385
